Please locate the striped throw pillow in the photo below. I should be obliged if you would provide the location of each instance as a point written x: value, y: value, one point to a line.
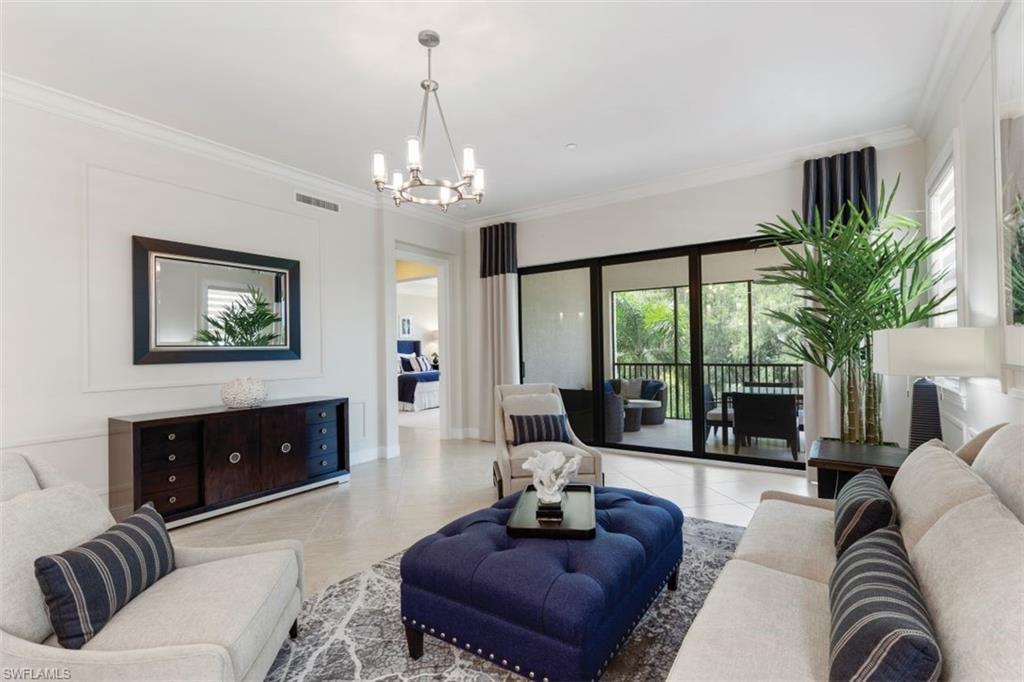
x: 423, y: 363
x: 85, y: 586
x: 862, y: 506
x: 881, y: 630
x: 539, y: 428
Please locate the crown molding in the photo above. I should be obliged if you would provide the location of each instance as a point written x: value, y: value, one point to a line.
x: 963, y: 19
x: 44, y: 98
x: 882, y: 139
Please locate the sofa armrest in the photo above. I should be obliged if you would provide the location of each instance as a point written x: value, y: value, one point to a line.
x: 183, y: 662
x: 191, y: 556
x: 798, y: 499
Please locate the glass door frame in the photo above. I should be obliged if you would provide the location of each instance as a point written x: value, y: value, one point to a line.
x: 693, y: 254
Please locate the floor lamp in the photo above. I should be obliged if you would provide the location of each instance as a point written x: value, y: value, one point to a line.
x: 934, y: 352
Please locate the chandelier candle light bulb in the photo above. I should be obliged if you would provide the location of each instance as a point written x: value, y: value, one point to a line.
x: 380, y: 168
x: 440, y: 192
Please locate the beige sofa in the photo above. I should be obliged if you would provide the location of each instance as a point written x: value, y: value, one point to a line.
x: 767, y: 616
x: 222, y: 614
x: 510, y: 399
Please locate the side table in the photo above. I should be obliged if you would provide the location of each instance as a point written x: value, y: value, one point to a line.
x: 838, y: 462
x: 633, y: 414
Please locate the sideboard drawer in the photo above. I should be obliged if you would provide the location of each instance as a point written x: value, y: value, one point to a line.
x: 322, y: 464
x: 174, y: 500
x: 166, y: 438
x: 318, y: 448
x: 183, y: 454
x: 321, y: 431
x: 324, y: 412
x: 179, y: 477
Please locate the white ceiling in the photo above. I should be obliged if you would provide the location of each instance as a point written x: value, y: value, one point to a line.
x: 647, y: 91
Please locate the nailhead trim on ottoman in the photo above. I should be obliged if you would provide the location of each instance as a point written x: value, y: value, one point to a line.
x: 547, y: 609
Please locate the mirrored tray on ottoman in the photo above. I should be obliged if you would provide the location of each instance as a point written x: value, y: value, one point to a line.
x: 578, y: 521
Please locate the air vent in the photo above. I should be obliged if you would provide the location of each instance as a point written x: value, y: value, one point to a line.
x: 313, y: 201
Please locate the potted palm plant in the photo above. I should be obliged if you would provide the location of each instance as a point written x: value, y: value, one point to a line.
x: 863, y: 271
x: 247, y: 322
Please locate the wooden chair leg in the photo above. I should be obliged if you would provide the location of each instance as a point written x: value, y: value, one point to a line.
x: 414, y: 638
x: 673, y: 580
x: 294, y: 631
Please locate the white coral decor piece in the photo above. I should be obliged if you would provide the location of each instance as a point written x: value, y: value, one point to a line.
x: 244, y: 392
x: 551, y: 471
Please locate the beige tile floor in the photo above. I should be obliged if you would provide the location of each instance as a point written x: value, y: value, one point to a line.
x: 389, y: 504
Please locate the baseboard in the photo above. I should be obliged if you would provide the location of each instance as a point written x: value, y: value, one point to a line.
x: 466, y: 434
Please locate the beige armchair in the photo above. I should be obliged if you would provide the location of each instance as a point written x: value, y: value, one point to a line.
x: 222, y: 614
x: 509, y: 475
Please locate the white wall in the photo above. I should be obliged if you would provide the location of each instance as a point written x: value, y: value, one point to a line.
x: 423, y: 309
x: 78, y: 182
x: 966, y: 107
x: 709, y: 213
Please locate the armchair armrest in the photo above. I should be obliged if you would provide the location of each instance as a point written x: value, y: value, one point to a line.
x: 170, y: 663
x: 798, y: 499
x: 191, y: 556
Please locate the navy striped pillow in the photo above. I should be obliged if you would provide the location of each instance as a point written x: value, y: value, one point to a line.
x: 881, y: 630
x: 85, y: 586
x: 862, y: 506
x: 539, y: 428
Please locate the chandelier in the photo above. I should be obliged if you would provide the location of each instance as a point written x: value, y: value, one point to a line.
x: 418, y: 188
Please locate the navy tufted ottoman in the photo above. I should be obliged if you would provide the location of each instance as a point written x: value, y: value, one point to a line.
x: 546, y: 609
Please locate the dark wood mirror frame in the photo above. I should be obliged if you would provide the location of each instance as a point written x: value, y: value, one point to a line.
x: 144, y: 353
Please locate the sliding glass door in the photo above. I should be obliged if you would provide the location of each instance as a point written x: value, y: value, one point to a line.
x: 675, y: 352
x: 555, y: 323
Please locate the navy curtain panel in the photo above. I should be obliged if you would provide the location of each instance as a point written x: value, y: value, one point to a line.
x: 499, y: 315
x: 832, y: 181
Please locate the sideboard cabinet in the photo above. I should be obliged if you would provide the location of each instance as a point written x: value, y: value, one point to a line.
x: 192, y: 464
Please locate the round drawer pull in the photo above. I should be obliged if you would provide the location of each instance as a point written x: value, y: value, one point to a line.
x: 323, y: 431
x: 172, y: 499
x: 323, y: 462
x: 171, y: 457
x: 323, y: 446
x: 286, y: 448
x: 323, y: 415
x: 171, y: 436
x: 172, y: 478
x: 235, y: 457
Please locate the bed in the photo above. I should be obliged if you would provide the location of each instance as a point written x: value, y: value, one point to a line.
x: 417, y: 390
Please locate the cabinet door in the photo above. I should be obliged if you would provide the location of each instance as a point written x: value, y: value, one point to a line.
x: 231, y: 457
x: 283, y: 445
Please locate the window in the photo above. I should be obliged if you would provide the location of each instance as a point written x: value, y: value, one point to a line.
x: 940, y: 220
x: 218, y: 300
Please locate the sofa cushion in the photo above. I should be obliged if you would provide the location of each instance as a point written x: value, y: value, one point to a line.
x: 540, y: 428
x: 521, y: 453
x: 880, y: 624
x: 16, y: 476
x: 792, y: 538
x: 86, y: 585
x: 529, y: 403
x: 649, y: 390
x: 931, y: 481
x: 757, y: 624
x: 863, y: 505
x: 1001, y: 463
x: 235, y: 603
x: 970, y: 566
x: 36, y: 523
x: 632, y: 388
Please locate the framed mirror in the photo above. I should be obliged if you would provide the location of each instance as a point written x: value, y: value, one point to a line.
x: 201, y: 304
x: 1008, y: 87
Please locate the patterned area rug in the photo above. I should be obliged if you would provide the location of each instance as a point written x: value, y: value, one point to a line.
x: 353, y: 630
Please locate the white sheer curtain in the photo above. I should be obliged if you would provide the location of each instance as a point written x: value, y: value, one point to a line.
x: 499, y: 314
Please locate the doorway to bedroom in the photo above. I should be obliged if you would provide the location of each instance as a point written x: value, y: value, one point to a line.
x: 419, y: 348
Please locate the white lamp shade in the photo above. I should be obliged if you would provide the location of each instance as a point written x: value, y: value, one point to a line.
x: 468, y: 161
x: 937, y: 351
x: 479, y: 182
x: 413, y: 159
x: 380, y: 167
